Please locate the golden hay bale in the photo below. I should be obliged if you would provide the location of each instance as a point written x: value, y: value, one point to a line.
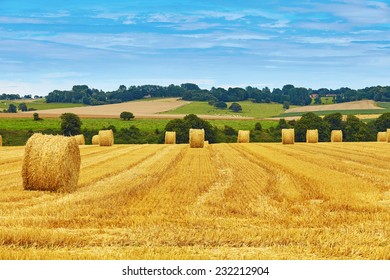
x: 388, y: 135
x: 312, y: 136
x: 80, y: 139
x: 288, y: 136
x: 170, y: 137
x: 336, y: 136
x: 95, y: 140
x: 1, y: 140
x: 381, y: 137
x: 106, y: 138
x: 243, y: 136
x: 196, y: 138
x: 51, y: 163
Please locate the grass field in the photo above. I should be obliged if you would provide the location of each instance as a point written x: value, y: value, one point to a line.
x: 249, y: 109
x: 142, y: 124
x: 39, y: 104
x: 324, y: 100
x: 226, y: 201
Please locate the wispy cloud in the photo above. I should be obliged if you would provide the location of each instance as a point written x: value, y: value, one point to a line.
x: 20, y: 20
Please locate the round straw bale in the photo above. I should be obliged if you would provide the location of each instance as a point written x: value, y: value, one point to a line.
x: 1, y: 140
x: 196, y: 138
x: 381, y: 137
x: 95, y: 140
x: 51, y: 163
x: 243, y: 136
x: 288, y: 136
x: 170, y: 137
x: 336, y: 136
x: 80, y: 139
x: 312, y: 136
x: 106, y: 138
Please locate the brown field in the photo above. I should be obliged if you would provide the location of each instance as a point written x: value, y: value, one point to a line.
x: 225, y: 201
x: 355, y: 105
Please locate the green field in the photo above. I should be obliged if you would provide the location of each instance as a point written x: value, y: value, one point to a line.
x: 249, y: 109
x: 324, y: 101
x: 39, y: 104
x: 147, y: 125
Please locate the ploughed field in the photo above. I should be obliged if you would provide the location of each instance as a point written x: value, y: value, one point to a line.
x: 225, y: 201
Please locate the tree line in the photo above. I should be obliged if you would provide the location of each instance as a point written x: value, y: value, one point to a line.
x: 288, y: 94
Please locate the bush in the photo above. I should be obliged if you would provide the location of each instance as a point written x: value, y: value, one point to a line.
x: 36, y: 117
x: 126, y: 116
x: 220, y: 105
x: 235, y: 107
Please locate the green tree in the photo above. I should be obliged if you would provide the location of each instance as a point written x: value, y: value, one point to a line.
x: 317, y: 100
x: 286, y: 105
x: 335, y: 121
x: 12, y: 108
x: 356, y: 130
x: 235, y: 107
x: 183, y: 126
x: 311, y: 121
x: 22, y: 107
x: 70, y: 124
x: 383, y: 122
x: 126, y: 116
x: 36, y: 117
x: 220, y: 105
x: 258, y: 126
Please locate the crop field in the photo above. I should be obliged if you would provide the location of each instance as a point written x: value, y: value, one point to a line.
x: 225, y: 201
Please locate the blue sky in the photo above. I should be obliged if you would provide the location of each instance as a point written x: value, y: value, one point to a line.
x: 47, y: 45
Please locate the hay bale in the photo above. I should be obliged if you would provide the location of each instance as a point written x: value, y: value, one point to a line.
x: 51, y: 163
x: 170, y: 137
x: 196, y: 138
x: 336, y: 136
x: 95, y: 140
x: 312, y: 136
x: 381, y: 137
x: 106, y: 138
x: 80, y: 139
x: 1, y: 140
x: 243, y: 136
x: 288, y: 136
x: 388, y: 135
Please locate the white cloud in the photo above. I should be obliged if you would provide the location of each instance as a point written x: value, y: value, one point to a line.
x: 277, y: 24
x: 20, y: 20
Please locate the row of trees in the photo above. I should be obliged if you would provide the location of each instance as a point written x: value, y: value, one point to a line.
x: 287, y: 94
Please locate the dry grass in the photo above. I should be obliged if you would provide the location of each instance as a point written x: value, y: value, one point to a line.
x: 312, y: 136
x: 95, y: 140
x: 196, y: 138
x: 80, y: 139
x: 106, y: 138
x: 388, y: 135
x: 226, y: 201
x: 170, y: 137
x: 288, y: 136
x: 51, y: 163
x: 1, y: 140
x: 243, y: 136
x: 336, y: 136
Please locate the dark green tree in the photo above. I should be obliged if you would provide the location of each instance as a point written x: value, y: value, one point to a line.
x: 311, y: 121
x: 70, y: 124
x: 126, y: 116
x: 335, y: 121
x: 383, y: 122
x: 258, y: 126
x: 235, y: 107
x: 317, y: 100
x: 183, y: 126
x: 22, y: 107
x: 286, y: 105
x: 220, y: 105
x: 12, y: 108
x: 355, y: 130
x: 36, y: 117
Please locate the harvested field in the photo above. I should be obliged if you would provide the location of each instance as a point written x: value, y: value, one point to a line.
x: 355, y: 105
x: 225, y: 201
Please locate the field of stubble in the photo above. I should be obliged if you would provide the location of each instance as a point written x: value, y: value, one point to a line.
x: 226, y: 201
